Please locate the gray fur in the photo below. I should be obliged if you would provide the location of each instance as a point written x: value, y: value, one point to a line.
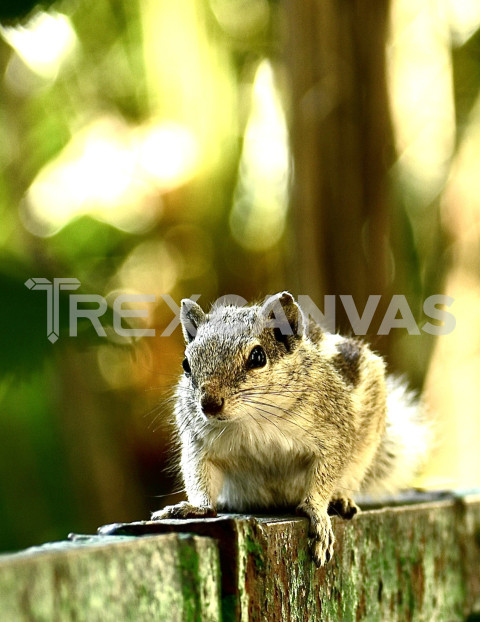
x: 306, y: 431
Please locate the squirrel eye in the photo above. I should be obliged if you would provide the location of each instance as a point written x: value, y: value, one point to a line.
x: 257, y: 358
x: 186, y: 366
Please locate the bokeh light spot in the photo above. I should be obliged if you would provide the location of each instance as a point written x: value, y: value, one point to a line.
x: 257, y: 219
x: 43, y: 43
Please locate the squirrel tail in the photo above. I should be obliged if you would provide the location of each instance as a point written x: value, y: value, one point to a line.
x: 405, y: 444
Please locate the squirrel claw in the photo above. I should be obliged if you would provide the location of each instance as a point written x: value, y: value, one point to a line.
x: 344, y: 507
x: 184, y: 509
x: 322, y: 544
x: 321, y: 533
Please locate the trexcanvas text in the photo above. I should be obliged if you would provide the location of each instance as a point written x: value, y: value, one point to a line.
x: 397, y: 315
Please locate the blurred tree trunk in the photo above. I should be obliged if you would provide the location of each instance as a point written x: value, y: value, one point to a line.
x: 342, y: 147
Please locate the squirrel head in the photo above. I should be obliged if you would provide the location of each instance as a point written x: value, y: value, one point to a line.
x: 232, y: 348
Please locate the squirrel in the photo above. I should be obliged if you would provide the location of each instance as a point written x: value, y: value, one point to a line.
x: 275, y: 413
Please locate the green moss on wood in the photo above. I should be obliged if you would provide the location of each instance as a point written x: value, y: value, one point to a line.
x: 416, y: 563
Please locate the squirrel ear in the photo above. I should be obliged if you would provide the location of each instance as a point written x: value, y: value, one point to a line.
x: 191, y: 316
x: 285, y: 316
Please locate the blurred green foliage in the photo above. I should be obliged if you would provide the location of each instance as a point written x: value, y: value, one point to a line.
x: 83, y: 425
x: 13, y: 11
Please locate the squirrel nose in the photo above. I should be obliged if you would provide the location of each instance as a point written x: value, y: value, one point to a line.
x: 210, y: 404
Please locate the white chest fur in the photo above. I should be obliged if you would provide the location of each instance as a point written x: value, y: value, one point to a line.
x: 260, y: 467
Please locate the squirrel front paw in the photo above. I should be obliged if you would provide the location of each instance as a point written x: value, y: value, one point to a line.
x: 343, y: 506
x: 184, y: 509
x: 321, y: 533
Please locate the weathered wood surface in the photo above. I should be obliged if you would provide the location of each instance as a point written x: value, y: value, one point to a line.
x: 417, y: 562
x: 169, y: 577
